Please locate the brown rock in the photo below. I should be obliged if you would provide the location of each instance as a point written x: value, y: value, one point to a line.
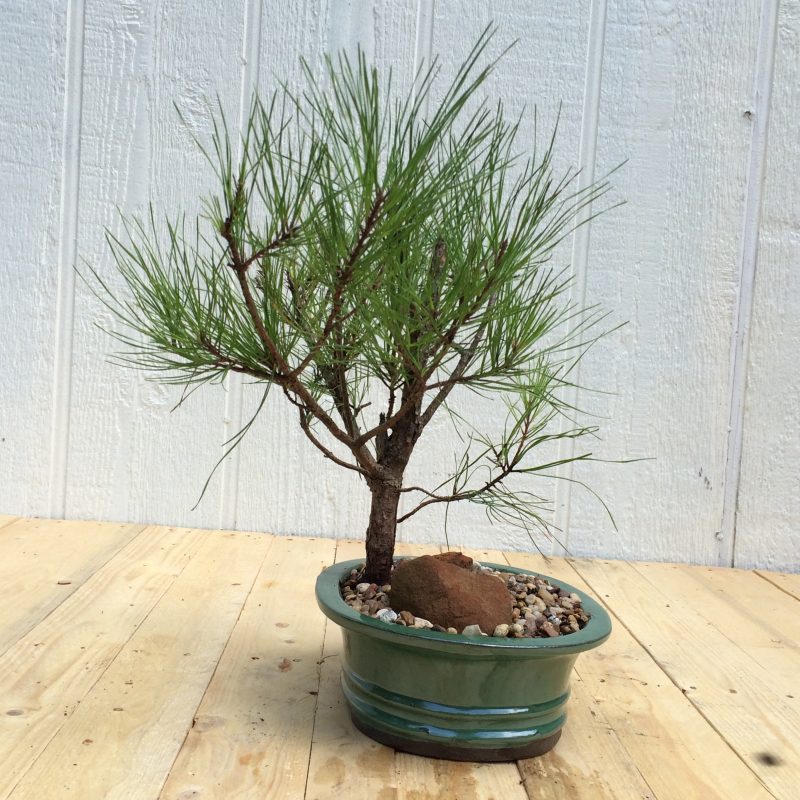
x: 407, y: 617
x: 449, y: 595
x: 459, y: 559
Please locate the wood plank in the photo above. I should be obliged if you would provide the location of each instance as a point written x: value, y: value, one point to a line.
x: 344, y: 763
x: 7, y: 519
x: 48, y: 672
x: 727, y: 686
x: 43, y: 561
x: 124, y: 736
x: 589, y: 762
x: 251, y: 734
x: 674, y: 749
x: 570, y: 770
x: 759, y: 617
x: 787, y: 582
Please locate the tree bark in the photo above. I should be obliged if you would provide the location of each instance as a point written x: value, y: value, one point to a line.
x: 381, y: 530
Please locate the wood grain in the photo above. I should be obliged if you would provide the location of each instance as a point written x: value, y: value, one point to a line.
x: 40, y: 567
x: 720, y: 677
x: 251, y: 734
x: 141, y: 707
x: 344, y: 763
x: 180, y: 668
x: 47, y: 673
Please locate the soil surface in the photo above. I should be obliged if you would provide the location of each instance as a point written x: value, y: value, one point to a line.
x: 541, y: 609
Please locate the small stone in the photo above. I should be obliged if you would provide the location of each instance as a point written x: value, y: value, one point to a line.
x: 439, y: 629
x: 554, y: 611
x: 472, y: 630
x: 452, y: 630
x: 573, y: 623
x: 387, y: 587
x: 419, y: 622
x: 516, y: 629
x: 501, y: 630
x: 386, y: 615
x: 407, y: 617
x: 550, y: 629
x: 546, y: 596
x: 362, y: 588
x: 530, y: 625
x: 565, y: 602
x: 540, y: 604
x: 574, y: 597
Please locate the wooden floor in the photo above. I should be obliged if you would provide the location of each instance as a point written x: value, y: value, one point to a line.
x: 147, y: 662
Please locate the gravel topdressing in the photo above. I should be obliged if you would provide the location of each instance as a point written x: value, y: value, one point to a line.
x: 541, y: 609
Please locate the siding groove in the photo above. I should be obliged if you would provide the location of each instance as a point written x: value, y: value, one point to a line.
x: 740, y: 334
x: 580, y: 245
x: 67, y: 256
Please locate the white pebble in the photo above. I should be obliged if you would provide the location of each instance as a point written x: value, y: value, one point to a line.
x: 472, y: 630
x: 419, y: 622
x: 501, y: 630
x: 386, y: 615
x: 362, y: 587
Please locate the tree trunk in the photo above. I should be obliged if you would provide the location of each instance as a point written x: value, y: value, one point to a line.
x: 381, y: 530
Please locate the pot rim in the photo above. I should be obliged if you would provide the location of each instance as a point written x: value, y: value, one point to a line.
x: 330, y: 601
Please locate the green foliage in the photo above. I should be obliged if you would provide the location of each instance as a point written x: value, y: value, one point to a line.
x: 358, y: 248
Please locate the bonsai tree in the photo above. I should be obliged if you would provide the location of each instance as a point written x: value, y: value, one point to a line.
x: 367, y: 260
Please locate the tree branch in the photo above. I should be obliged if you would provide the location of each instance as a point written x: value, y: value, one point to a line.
x: 282, y: 372
x: 304, y: 414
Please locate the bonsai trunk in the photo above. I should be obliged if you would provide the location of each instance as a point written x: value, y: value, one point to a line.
x: 381, y: 530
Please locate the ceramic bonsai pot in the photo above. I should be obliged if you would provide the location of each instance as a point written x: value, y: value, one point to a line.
x: 459, y: 697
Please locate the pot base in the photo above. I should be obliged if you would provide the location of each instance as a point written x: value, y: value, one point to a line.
x: 535, y: 748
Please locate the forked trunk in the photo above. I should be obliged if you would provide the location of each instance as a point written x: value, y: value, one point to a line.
x: 381, y: 531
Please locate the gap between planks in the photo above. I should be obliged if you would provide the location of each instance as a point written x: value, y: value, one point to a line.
x: 681, y: 653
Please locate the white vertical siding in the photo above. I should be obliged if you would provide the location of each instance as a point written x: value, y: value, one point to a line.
x: 768, y: 513
x: 676, y: 88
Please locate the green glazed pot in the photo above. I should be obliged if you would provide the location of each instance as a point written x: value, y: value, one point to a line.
x: 466, y: 698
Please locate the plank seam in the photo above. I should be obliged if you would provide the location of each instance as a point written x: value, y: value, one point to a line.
x: 64, y: 324
x: 213, y: 673
x: 319, y: 684
x: 621, y: 744
x: 743, y: 309
x: 580, y: 245
x: 137, y: 531
x: 670, y: 678
x: 611, y: 728
x: 232, y: 421
x: 9, y: 522
x: 65, y: 718
x: 776, y: 585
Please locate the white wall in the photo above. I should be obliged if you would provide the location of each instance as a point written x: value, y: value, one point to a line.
x: 703, y: 99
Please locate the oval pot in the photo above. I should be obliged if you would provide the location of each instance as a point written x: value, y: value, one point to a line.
x: 465, y: 698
